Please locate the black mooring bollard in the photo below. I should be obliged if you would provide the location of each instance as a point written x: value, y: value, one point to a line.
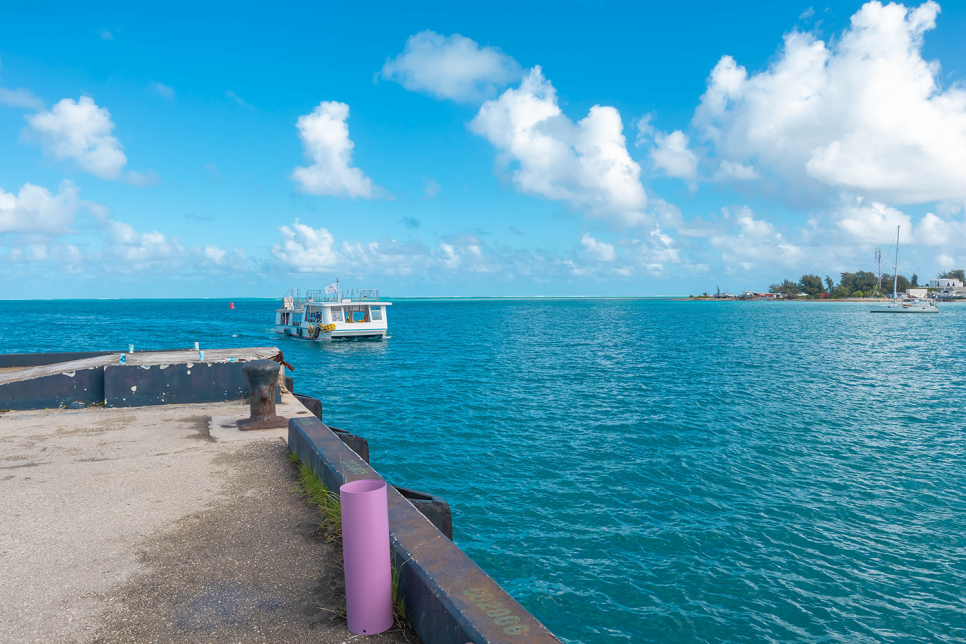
x: 262, y: 376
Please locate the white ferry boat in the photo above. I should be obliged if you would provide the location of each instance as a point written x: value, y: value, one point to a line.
x: 333, y: 313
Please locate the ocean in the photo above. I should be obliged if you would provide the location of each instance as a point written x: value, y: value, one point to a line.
x: 644, y: 470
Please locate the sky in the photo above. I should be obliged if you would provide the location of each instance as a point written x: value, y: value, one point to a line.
x: 497, y: 149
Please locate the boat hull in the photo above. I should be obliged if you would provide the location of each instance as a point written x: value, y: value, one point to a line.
x: 900, y: 308
x: 336, y: 335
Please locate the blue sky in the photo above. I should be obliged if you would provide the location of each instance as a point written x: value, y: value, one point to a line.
x: 510, y: 149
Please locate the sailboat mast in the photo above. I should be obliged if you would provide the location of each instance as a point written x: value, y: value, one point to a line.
x: 895, y: 269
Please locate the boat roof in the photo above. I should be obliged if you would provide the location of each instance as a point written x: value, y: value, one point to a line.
x: 344, y: 302
x: 331, y: 304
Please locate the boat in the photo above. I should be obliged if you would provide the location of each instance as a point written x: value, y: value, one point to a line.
x: 904, y: 305
x: 333, y: 313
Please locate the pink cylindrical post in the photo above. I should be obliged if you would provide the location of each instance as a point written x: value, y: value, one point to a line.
x: 365, y: 548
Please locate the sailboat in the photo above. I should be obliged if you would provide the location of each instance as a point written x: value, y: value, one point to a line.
x: 906, y: 306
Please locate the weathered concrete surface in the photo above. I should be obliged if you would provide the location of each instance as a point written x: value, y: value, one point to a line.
x: 135, y: 524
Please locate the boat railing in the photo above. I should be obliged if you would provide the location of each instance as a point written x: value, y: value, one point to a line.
x: 350, y: 294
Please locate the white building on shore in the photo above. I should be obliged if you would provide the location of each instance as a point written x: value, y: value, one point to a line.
x: 941, y: 288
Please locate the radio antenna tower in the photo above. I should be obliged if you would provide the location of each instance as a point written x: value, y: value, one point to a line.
x: 878, y: 270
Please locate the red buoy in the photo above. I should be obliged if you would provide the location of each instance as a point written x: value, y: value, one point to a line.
x: 231, y: 305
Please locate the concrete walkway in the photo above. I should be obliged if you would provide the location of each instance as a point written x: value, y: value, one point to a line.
x: 153, y: 524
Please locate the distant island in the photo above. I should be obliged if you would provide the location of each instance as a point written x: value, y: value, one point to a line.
x: 861, y: 284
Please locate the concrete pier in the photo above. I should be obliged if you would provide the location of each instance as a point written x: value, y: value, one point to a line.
x: 145, y: 505
x: 160, y: 524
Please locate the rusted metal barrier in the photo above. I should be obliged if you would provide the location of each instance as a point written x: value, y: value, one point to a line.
x: 448, y: 598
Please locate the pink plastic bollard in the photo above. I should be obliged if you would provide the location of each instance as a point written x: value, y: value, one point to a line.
x: 365, y: 548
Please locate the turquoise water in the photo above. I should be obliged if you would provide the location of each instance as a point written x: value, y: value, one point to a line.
x: 640, y: 470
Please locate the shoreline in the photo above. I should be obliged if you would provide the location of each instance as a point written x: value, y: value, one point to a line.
x: 841, y: 300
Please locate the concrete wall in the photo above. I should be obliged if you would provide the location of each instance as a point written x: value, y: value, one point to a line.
x: 54, y: 391
x: 448, y: 598
x: 140, y: 385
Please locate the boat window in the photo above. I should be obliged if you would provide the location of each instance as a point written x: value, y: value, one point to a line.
x: 336, y: 313
x: 357, y: 313
x: 376, y: 313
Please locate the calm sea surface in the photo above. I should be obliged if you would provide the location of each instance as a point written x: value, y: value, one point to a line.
x: 640, y: 470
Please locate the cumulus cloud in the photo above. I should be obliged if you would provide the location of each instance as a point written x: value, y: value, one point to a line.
x: 308, y: 250
x: 865, y: 113
x: 840, y: 238
x: 752, y: 242
x: 35, y: 210
x: 451, y: 67
x: 934, y: 231
x: 20, y: 98
x: 601, y: 251
x: 734, y: 171
x: 130, y: 250
x: 325, y: 137
x: 305, y: 249
x: 81, y: 131
x: 873, y: 223
x: 585, y: 164
x: 671, y: 154
x: 215, y: 254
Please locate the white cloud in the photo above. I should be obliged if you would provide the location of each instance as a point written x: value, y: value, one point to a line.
x: 452, y: 67
x: 671, y: 154
x: 872, y: 223
x: 106, y: 34
x: 601, y: 251
x: 163, y: 90
x: 875, y: 223
x: 66, y: 257
x: 734, y: 171
x: 20, y: 98
x: 82, y: 131
x: 130, y: 250
x: 325, y: 137
x: 936, y: 231
x: 305, y: 248
x: 865, y: 113
x: 584, y: 164
x: 215, y: 254
x: 35, y: 210
x: 753, y: 242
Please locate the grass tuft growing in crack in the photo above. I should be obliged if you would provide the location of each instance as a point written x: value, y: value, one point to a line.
x: 326, y: 501
x: 398, y: 605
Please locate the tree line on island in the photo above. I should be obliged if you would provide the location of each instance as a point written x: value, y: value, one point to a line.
x: 859, y: 284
